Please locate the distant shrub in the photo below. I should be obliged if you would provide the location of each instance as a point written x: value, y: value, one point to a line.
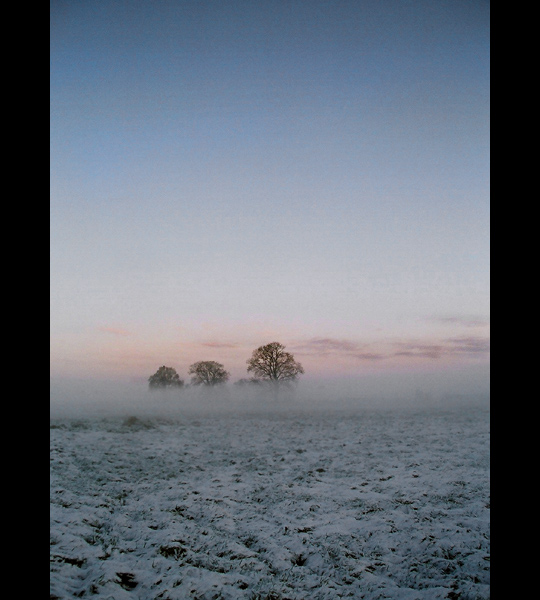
x: 136, y: 423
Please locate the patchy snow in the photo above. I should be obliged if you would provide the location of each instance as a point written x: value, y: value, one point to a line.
x: 367, y: 504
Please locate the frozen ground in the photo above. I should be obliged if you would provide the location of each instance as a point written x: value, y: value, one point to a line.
x: 372, y: 504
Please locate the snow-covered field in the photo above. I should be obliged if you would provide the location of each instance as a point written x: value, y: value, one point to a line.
x: 352, y: 504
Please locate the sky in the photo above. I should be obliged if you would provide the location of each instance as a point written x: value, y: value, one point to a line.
x: 228, y: 174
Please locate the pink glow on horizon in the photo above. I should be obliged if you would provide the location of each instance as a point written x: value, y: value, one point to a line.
x: 123, y: 355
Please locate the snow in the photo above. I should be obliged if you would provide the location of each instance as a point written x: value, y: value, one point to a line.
x: 348, y: 504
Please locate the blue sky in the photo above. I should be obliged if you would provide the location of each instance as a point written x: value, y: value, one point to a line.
x: 227, y: 174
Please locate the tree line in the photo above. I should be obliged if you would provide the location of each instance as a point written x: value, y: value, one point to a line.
x: 268, y: 364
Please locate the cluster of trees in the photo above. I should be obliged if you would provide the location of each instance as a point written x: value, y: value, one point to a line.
x: 206, y: 372
x: 268, y: 364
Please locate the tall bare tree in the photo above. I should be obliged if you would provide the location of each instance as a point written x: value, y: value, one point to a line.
x: 271, y: 363
x: 208, y: 372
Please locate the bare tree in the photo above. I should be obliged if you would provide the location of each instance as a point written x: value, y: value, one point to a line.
x: 271, y: 363
x: 165, y: 377
x: 208, y: 372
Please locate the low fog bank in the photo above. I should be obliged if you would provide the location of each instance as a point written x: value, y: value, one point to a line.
x: 88, y: 399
